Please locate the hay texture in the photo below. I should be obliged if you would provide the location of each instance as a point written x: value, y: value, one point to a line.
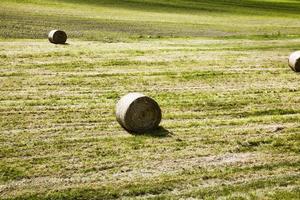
x: 294, y: 61
x: 57, y: 37
x: 138, y: 113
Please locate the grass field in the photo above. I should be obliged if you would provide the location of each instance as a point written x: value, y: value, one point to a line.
x: 218, y: 69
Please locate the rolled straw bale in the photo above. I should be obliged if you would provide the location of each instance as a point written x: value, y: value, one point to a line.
x: 138, y: 113
x: 294, y: 61
x: 57, y: 37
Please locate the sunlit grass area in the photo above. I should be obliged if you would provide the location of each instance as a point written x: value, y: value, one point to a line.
x: 218, y: 70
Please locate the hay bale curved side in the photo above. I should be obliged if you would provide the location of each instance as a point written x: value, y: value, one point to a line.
x: 138, y: 113
x: 57, y: 37
x: 294, y: 61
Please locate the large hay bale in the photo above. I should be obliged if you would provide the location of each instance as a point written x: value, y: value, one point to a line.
x: 138, y: 113
x: 57, y: 37
x: 294, y: 61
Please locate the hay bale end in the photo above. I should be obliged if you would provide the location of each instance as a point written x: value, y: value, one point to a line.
x: 138, y: 113
x: 57, y: 37
x: 294, y: 61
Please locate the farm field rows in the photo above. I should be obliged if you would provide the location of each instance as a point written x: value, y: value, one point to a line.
x: 230, y: 102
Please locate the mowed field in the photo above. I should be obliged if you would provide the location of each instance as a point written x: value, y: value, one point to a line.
x: 218, y: 69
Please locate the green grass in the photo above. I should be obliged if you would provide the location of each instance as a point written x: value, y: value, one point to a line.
x: 113, y: 21
x: 218, y: 69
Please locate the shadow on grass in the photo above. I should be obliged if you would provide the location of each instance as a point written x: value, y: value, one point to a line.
x: 64, y: 44
x: 159, y: 132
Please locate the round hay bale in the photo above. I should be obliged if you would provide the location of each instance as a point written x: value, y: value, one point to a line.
x: 57, y: 37
x: 138, y: 113
x: 294, y: 61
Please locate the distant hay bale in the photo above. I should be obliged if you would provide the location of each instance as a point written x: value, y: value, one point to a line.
x: 294, y: 61
x: 138, y: 113
x: 57, y: 37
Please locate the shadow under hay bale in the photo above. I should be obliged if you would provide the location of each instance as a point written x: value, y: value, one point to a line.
x: 57, y: 37
x: 158, y: 132
x: 138, y: 113
x: 294, y: 61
